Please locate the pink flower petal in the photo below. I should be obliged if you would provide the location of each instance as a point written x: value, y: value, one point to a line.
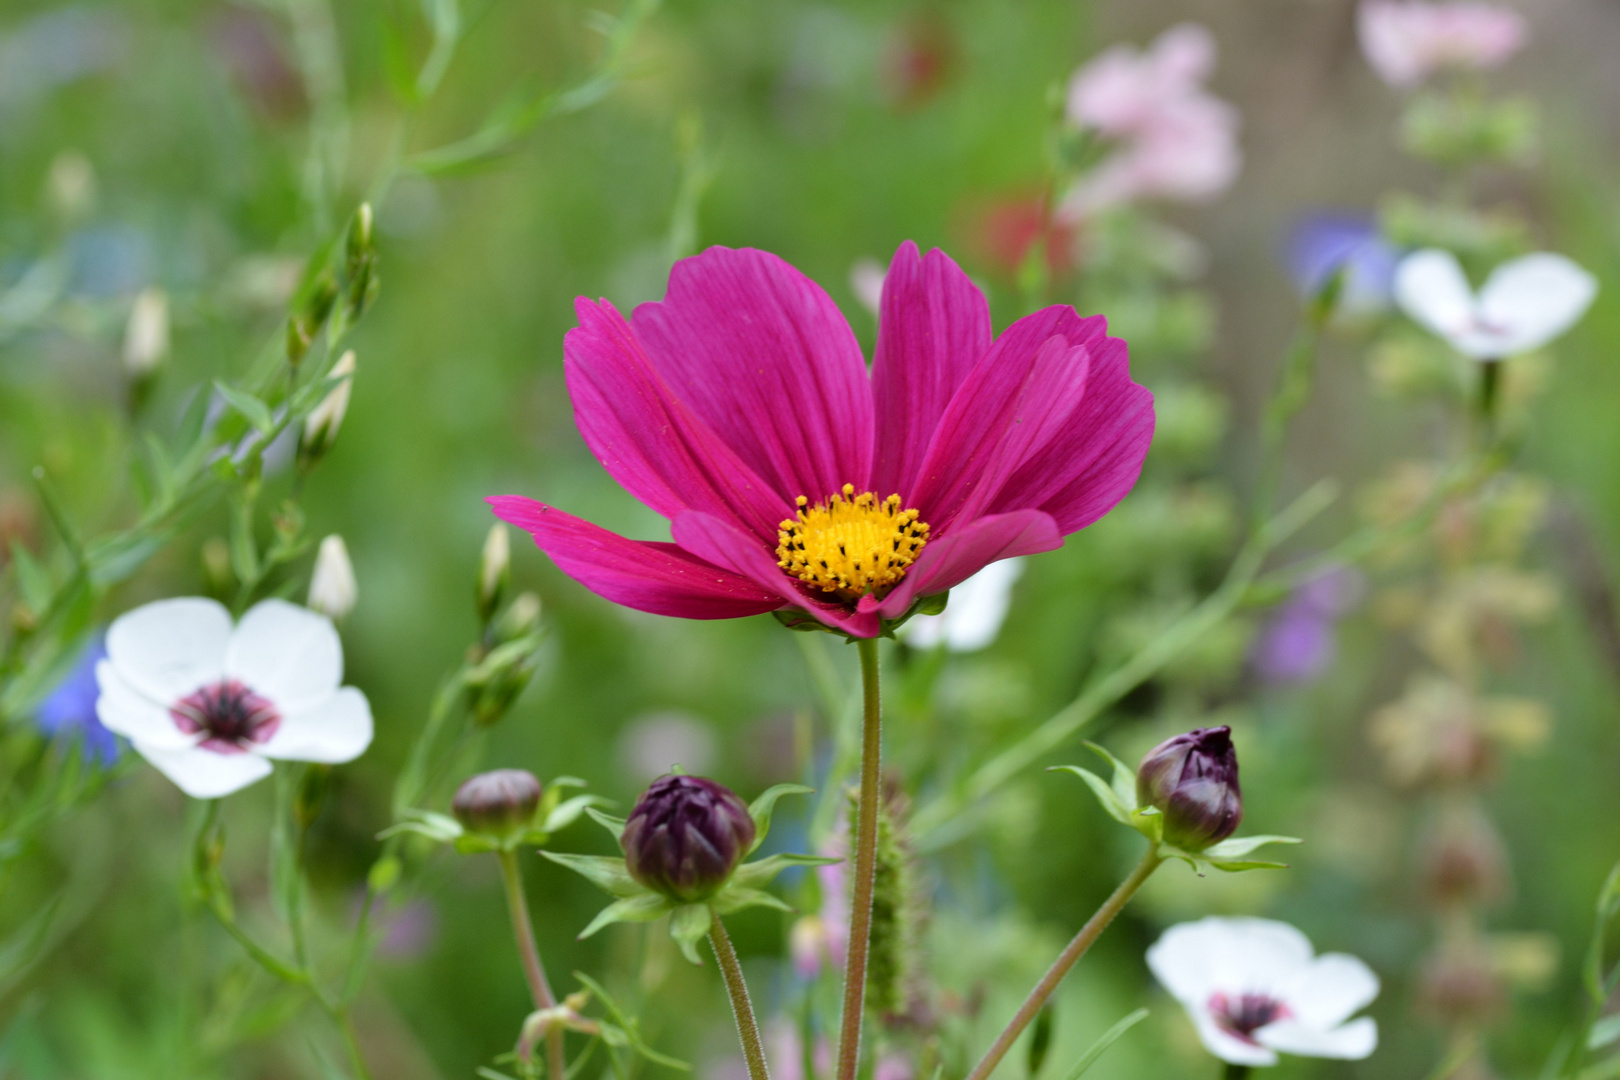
x: 1018, y: 384
x: 763, y: 356
x: 648, y: 440
x: 1094, y: 462
x: 935, y: 326
x: 713, y: 540
x: 658, y: 578
x: 952, y: 560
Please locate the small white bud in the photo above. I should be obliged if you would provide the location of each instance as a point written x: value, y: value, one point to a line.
x: 332, y: 588
x: 322, y: 424
x: 494, y: 570
x: 70, y: 186
x: 146, y: 335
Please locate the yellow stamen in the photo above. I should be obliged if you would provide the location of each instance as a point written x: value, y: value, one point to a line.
x: 850, y: 544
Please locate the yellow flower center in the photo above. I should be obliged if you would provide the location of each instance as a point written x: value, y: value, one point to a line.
x: 850, y: 544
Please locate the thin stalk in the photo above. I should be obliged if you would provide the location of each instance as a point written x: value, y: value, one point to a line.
x: 1237, y: 1072
x: 533, y: 970
x: 741, y: 1007
x: 866, y: 830
x: 1066, y: 960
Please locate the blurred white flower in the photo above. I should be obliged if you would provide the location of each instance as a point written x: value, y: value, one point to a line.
x: 332, y: 588
x: 866, y: 278
x: 1176, y: 140
x: 974, y: 615
x: 652, y: 744
x: 146, y: 335
x: 1407, y: 42
x: 1525, y: 303
x: 209, y: 704
x: 1253, y: 988
x: 71, y: 186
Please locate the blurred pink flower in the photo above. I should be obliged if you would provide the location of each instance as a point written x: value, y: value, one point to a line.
x: 1407, y: 42
x: 892, y: 1067
x: 1175, y: 140
x: 823, y: 938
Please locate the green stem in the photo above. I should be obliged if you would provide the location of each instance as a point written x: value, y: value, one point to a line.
x: 1237, y: 1072
x: 741, y: 1007
x: 533, y: 970
x: 866, y: 829
x: 1066, y: 960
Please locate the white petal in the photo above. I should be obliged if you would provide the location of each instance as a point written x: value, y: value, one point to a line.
x: 974, y: 616
x: 1232, y: 956
x: 1535, y: 299
x: 125, y: 711
x: 1329, y: 990
x: 288, y: 653
x: 1352, y: 1042
x: 167, y: 649
x: 337, y: 729
x: 1430, y: 287
x: 203, y: 774
x: 1226, y: 1046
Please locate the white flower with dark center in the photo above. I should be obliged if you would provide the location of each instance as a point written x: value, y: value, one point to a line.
x: 1524, y: 304
x: 973, y: 617
x: 1254, y: 988
x: 210, y: 704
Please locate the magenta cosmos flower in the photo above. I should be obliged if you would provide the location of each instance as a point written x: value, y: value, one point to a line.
x: 740, y: 408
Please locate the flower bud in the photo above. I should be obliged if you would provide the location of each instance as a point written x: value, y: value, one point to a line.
x: 520, y: 619
x: 1192, y: 780
x: 146, y: 335
x: 500, y: 803
x: 332, y: 589
x: 685, y: 837
x: 494, y: 571
x: 322, y: 424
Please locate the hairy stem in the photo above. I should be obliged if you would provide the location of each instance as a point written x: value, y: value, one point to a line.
x: 866, y: 830
x: 1065, y: 961
x: 741, y: 1007
x: 533, y: 970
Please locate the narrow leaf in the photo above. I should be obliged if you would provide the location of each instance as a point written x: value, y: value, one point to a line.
x: 1124, y: 778
x: 732, y: 898
x: 568, y: 812
x: 647, y: 907
x: 255, y: 411
x: 1242, y: 845
x: 1100, y: 788
x: 1107, y: 1039
x: 607, y: 821
x: 761, y: 808
x: 606, y: 873
x: 763, y: 871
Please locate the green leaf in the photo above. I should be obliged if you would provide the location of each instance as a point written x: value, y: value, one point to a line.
x: 630, y: 1026
x: 568, y: 812
x: 1124, y: 782
x: 736, y: 898
x: 761, y: 808
x: 689, y: 925
x: 33, y: 581
x: 440, y: 828
x: 1100, y: 788
x: 763, y: 871
x: 606, y: 873
x: 1234, y: 866
x: 1107, y: 1039
x: 1242, y: 845
x: 611, y: 824
x: 1604, y: 1032
x: 255, y: 411
x: 646, y: 907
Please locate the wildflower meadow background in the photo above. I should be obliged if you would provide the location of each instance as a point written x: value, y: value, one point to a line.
x: 312, y: 767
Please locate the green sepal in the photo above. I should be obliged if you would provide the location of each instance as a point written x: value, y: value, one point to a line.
x: 643, y: 907
x: 1124, y: 780
x: 735, y: 898
x: 607, y: 821
x: 794, y: 619
x: 1226, y: 854
x: 761, y: 808
x: 688, y: 925
x: 565, y: 813
x: 1234, y: 846
x: 440, y: 828
x: 1102, y: 790
x: 606, y: 873
x: 763, y: 871
x: 927, y: 605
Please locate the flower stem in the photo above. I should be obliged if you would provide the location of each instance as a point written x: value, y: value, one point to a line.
x: 1066, y: 960
x: 533, y: 970
x: 1237, y: 1072
x: 741, y: 1007
x: 866, y: 830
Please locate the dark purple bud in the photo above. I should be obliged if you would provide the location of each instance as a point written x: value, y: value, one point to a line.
x: 1192, y: 780
x: 685, y: 837
x: 500, y: 803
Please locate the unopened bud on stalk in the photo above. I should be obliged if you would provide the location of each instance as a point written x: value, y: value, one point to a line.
x: 360, y: 262
x: 1192, y: 780
x: 322, y: 424
x: 332, y: 588
x: 359, y: 241
x: 500, y: 804
x: 494, y: 572
x: 146, y: 335
x: 520, y: 619
x: 685, y: 837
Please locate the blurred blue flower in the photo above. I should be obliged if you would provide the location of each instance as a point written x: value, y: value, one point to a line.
x: 70, y: 710
x: 57, y: 47
x: 1322, y: 243
x: 1301, y: 641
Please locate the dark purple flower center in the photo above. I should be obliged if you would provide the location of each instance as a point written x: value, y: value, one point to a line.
x: 1244, y: 1014
x: 228, y: 715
